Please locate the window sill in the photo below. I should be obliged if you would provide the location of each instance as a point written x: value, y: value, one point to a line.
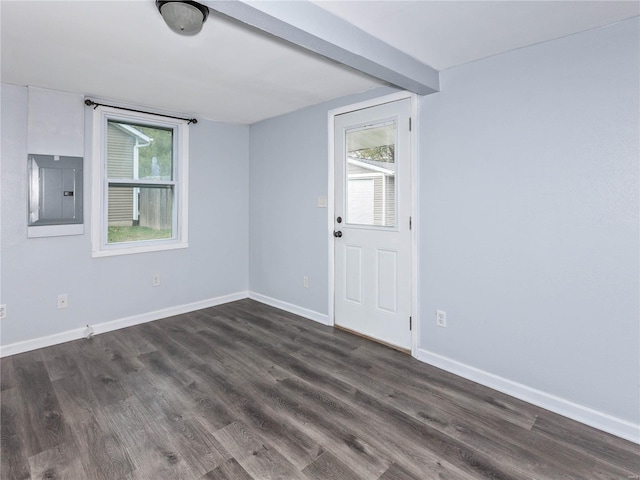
x: 140, y: 249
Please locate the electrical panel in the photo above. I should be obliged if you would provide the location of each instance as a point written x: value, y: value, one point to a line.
x: 55, y: 190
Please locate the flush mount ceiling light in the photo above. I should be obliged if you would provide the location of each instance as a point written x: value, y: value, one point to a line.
x: 183, y: 17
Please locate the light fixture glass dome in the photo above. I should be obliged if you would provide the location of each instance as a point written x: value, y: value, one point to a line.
x: 185, y: 18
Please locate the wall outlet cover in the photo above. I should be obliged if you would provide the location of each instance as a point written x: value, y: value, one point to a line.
x: 63, y: 301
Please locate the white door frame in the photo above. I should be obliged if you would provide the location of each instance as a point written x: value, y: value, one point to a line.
x: 414, y: 211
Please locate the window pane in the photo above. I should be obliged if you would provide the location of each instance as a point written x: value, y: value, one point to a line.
x: 139, y: 152
x: 139, y: 213
x: 371, y: 175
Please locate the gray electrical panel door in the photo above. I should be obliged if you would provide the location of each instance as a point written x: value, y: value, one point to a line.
x: 55, y: 190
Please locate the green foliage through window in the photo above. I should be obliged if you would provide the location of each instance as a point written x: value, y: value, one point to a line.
x: 382, y: 153
x: 161, y: 148
x: 137, y: 233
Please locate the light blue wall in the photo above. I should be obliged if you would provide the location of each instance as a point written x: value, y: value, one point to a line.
x: 35, y: 271
x: 528, y: 211
x: 529, y: 217
x: 288, y: 235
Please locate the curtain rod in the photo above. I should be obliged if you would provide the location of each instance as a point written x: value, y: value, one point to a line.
x: 95, y: 105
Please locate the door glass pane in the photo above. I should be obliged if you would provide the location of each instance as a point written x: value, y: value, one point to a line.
x: 371, y: 175
x: 139, y: 152
x: 139, y: 213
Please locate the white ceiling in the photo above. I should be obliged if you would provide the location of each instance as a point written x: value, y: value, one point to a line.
x: 444, y: 34
x: 123, y: 51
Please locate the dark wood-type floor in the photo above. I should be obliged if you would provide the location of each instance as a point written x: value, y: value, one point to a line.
x: 245, y: 391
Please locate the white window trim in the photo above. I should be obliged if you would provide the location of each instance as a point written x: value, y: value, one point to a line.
x: 99, y: 245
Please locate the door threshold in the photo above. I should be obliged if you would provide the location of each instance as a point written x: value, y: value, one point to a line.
x: 395, y: 347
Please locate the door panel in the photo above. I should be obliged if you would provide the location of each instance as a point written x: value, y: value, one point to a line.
x: 373, y: 250
x: 353, y: 274
x: 387, y: 280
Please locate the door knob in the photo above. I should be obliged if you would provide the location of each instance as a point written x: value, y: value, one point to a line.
x: 337, y: 233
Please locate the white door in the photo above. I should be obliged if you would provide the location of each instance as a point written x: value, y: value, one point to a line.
x: 372, y: 238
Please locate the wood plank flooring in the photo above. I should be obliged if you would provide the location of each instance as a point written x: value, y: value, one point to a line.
x: 244, y: 391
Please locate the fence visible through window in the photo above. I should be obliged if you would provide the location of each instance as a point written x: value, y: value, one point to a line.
x: 141, y: 190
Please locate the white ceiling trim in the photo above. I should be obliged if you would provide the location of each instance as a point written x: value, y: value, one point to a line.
x: 309, y: 26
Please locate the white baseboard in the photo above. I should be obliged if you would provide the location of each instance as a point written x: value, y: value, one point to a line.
x: 75, y: 334
x: 291, y: 308
x: 602, y: 421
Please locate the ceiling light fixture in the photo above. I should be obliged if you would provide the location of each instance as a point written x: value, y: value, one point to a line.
x: 183, y: 17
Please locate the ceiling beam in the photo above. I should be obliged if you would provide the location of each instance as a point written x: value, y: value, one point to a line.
x: 305, y: 24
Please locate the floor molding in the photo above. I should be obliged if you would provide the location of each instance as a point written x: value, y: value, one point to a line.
x: 291, y: 308
x: 75, y: 334
x: 233, y: 353
x: 602, y: 421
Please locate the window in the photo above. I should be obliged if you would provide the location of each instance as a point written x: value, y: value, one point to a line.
x: 371, y: 174
x: 140, y: 172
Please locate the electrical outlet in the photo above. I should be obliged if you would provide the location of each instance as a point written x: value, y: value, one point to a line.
x: 305, y: 282
x: 3, y: 311
x: 63, y: 301
x: 155, y: 280
x: 441, y: 318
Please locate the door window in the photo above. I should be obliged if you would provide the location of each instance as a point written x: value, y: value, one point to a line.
x: 370, y: 171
